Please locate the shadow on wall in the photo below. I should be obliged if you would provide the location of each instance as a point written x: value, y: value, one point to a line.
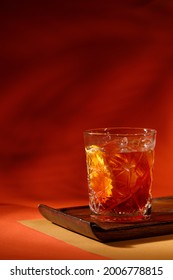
x: 73, y: 66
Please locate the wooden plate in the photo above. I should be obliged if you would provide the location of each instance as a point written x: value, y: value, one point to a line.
x: 79, y: 219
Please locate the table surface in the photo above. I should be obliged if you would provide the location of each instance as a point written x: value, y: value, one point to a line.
x: 25, y: 234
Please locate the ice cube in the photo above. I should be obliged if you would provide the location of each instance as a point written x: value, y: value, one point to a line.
x: 124, y: 142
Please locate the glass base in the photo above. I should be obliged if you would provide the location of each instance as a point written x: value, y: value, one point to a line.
x: 120, y: 218
x: 139, y: 216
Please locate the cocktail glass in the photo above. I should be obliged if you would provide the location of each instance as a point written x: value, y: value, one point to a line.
x: 120, y: 172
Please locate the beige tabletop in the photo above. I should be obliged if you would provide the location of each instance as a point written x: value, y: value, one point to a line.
x: 154, y: 248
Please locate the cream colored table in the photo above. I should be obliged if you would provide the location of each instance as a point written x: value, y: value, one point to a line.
x: 155, y: 248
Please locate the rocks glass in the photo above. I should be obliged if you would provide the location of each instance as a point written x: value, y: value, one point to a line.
x: 120, y: 172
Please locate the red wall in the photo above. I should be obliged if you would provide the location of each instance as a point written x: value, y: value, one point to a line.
x: 74, y: 65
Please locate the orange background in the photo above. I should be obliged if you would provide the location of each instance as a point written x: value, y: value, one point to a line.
x: 67, y: 66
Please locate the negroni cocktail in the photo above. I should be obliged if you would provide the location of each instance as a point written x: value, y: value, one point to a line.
x: 120, y: 172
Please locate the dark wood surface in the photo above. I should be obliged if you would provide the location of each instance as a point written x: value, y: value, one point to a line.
x: 79, y: 220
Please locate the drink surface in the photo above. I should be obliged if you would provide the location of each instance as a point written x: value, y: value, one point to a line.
x: 119, y: 179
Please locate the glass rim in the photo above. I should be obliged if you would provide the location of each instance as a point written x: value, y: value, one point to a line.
x: 121, y: 131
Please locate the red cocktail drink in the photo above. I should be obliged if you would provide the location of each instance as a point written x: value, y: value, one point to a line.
x: 120, y: 172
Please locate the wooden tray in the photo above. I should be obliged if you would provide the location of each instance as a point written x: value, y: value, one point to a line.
x: 79, y: 220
